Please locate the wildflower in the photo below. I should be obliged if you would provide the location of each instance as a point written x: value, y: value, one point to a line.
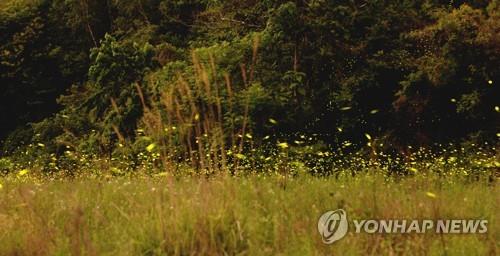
x: 240, y: 156
x: 431, y: 195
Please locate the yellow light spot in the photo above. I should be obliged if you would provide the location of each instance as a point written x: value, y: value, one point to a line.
x: 453, y: 100
x: 267, y: 137
x: 283, y: 145
x: 240, y: 156
x: 41, y: 145
x: 490, y: 82
x: 431, y: 195
x: 497, y: 108
x: 347, y: 144
x: 248, y: 135
x: 272, y: 121
x: 339, y: 129
x: 368, y: 136
x: 374, y: 111
x: 413, y: 169
x: 1, y: 186
x: 151, y: 147
x: 345, y: 108
x: 22, y: 172
x: 197, y: 117
x: 162, y: 174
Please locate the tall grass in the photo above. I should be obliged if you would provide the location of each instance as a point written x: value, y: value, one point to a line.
x: 230, y: 215
x: 196, y: 119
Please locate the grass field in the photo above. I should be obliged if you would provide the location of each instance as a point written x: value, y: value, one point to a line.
x: 255, y: 215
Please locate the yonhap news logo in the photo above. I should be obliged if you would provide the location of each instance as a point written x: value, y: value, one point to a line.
x: 334, y: 225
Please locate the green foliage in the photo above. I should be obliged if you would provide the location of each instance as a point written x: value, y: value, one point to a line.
x: 112, y: 97
x: 451, y: 74
x: 408, y: 73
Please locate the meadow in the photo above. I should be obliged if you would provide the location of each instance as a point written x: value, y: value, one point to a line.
x: 258, y: 214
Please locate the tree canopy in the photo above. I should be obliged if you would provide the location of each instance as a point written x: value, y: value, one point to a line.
x: 89, y: 74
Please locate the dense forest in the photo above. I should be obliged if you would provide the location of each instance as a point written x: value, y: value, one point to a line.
x: 210, y: 80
